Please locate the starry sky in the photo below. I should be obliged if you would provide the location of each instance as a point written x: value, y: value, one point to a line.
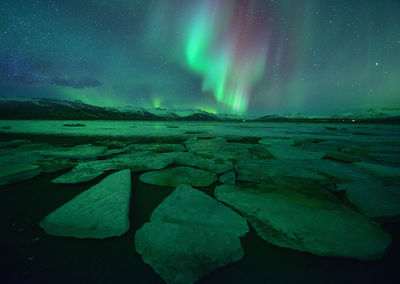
x: 240, y: 56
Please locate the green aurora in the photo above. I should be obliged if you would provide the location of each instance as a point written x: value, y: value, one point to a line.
x: 250, y: 57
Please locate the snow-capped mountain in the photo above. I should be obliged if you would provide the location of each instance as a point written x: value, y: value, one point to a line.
x: 271, y: 117
x: 376, y: 113
x: 43, y: 108
x: 183, y: 114
x: 295, y: 115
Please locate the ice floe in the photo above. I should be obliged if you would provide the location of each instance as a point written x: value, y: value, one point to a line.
x: 306, y: 218
x: 99, y: 212
x: 179, y: 175
x: 189, y: 235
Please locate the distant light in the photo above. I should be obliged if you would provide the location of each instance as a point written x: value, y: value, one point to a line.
x: 377, y: 63
x: 353, y: 120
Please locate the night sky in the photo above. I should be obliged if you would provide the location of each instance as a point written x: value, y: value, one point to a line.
x: 247, y: 57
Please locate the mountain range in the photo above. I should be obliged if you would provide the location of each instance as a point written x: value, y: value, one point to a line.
x: 55, y: 109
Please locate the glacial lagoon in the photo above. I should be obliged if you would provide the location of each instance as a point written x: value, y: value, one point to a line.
x: 262, y: 202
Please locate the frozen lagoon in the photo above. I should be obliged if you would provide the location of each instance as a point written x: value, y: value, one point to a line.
x: 345, y: 131
x: 356, y: 166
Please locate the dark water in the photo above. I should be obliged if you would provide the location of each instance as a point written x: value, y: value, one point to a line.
x: 28, y: 255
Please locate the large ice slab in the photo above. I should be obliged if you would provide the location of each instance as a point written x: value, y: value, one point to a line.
x: 228, y: 178
x: 54, y: 165
x: 212, y: 165
x: 179, y: 175
x: 17, y: 172
x: 306, y: 219
x: 158, y: 148
x: 372, y: 198
x: 218, y: 148
x: 99, y: 212
x: 189, y: 235
x: 379, y: 170
x: 84, y: 172
x: 140, y: 161
x: 285, y: 151
x: 265, y: 170
x: 325, y: 168
x: 14, y: 156
x: 77, y: 152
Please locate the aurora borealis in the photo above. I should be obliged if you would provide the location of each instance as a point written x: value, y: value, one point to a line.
x: 239, y: 56
x: 228, y: 49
